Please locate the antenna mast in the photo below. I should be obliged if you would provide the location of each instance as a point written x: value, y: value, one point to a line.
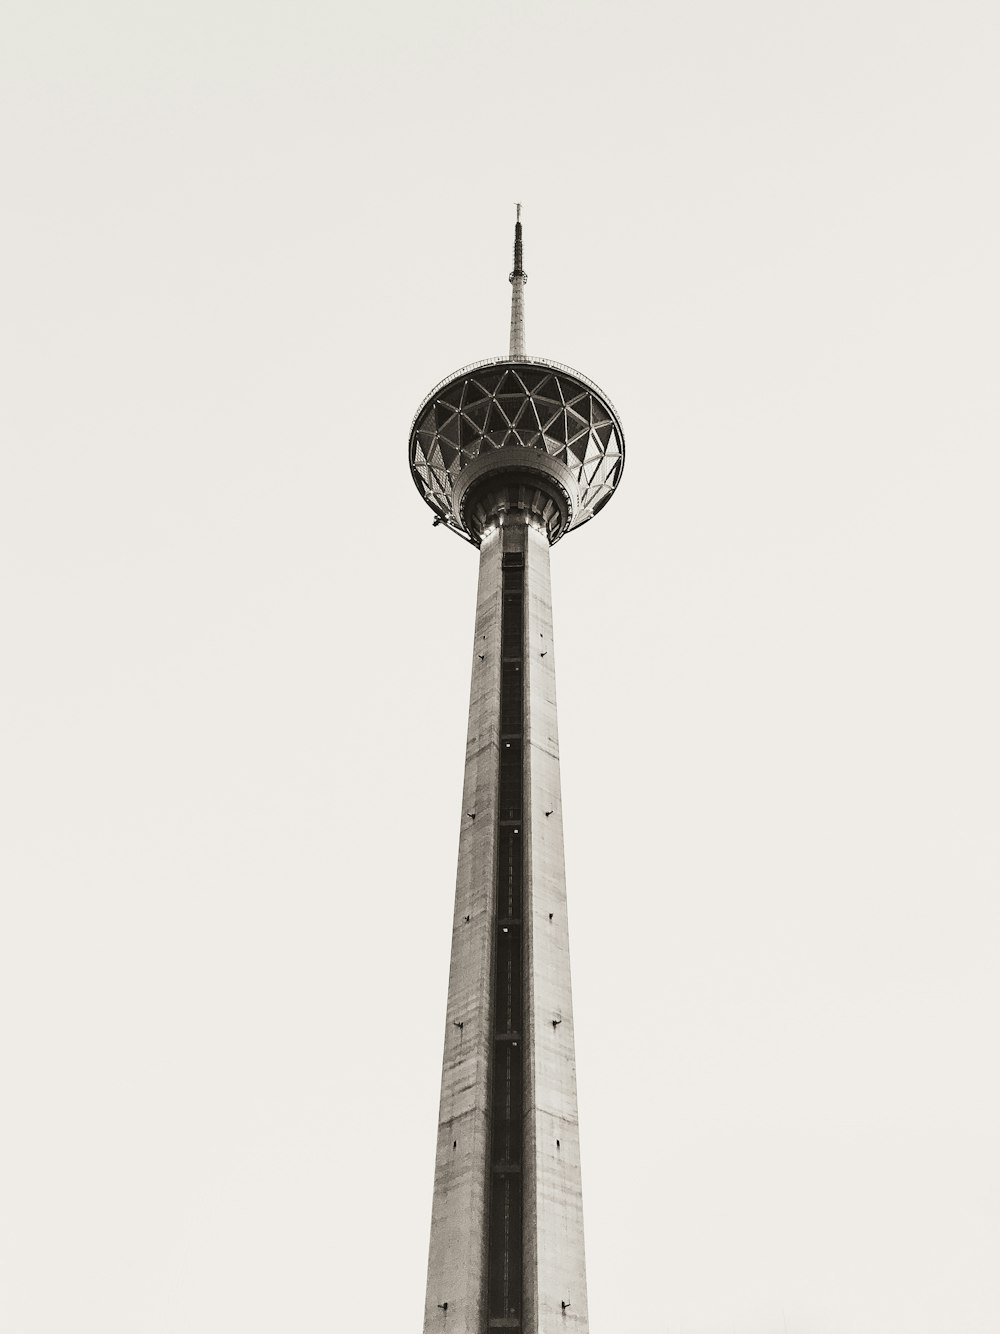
x: 518, y: 278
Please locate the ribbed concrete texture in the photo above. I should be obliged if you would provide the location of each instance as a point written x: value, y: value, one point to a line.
x: 553, y: 1280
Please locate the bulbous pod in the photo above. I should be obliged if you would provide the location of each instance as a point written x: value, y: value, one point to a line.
x: 521, y: 433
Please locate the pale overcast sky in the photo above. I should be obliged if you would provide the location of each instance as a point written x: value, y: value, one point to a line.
x: 241, y: 242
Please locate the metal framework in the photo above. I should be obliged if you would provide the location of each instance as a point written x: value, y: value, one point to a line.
x: 528, y: 405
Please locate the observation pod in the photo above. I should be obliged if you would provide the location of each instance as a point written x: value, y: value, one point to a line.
x: 511, y: 454
x: 542, y: 431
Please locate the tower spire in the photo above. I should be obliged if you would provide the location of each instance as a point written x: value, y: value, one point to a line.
x: 518, y: 278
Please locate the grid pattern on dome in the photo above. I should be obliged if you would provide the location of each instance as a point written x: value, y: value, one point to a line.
x: 525, y: 405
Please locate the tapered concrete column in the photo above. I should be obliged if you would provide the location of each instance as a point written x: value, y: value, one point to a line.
x: 547, y: 1163
x: 553, y: 1229
x: 456, y: 1271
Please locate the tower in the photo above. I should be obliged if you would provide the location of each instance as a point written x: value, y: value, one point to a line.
x: 511, y: 454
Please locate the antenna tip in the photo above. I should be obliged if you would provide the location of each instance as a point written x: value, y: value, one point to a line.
x: 518, y: 207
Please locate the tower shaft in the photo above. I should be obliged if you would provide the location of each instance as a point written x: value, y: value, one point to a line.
x: 506, y: 1248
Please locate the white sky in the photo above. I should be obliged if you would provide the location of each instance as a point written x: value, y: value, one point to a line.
x: 241, y: 241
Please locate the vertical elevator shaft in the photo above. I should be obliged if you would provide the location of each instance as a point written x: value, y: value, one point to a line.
x: 505, y: 1260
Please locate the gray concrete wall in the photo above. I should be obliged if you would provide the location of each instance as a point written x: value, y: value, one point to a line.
x: 456, y: 1271
x: 554, y: 1270
x: 554, y: 1250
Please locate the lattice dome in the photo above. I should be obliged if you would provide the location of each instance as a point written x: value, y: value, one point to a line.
x: 525, y: 404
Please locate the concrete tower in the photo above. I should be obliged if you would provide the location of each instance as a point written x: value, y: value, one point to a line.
x: 511, y: 454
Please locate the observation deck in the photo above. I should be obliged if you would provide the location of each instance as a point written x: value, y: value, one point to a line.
x: 516, y: 432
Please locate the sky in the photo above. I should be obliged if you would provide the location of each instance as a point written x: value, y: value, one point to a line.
x: 241, y: 242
